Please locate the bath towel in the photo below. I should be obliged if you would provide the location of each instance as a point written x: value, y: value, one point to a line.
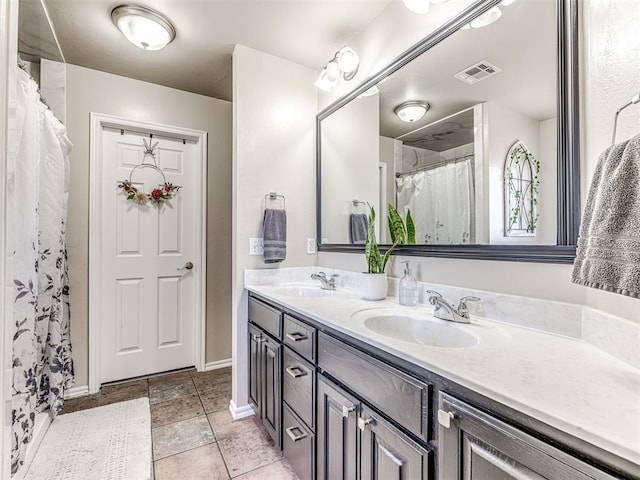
x: 275, y: 235
x: 608, y: 254
x: 358, y: 228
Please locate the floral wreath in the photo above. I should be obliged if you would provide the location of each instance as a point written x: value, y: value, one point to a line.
x: 158, y: 195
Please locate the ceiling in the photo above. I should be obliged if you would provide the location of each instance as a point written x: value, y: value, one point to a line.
x: 522, y: 43
x: 307, y: 32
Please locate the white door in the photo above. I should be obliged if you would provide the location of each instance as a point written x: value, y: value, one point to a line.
x: 148, y: 297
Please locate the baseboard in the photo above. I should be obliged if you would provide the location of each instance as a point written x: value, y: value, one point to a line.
x: 75, y: 392
x: 240, y: 412
x: 40, y: 427
x: 217, y: 364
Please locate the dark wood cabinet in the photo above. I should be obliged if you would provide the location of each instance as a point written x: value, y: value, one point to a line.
x: 474, y: 445
x: 271, y: 389
x: 336, y: 432
x: 388, y: 454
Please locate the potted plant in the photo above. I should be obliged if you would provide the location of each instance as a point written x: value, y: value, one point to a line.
x: 374, y: 282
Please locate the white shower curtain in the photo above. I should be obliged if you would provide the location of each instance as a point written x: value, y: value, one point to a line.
x: 442, y: 202
x: 38, y: 191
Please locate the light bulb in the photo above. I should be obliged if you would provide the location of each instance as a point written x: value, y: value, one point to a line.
x: 417, y: 6
x: 347, y: 60
x: 333, y: 71
x: 487, y: 18
x: 506, y: 3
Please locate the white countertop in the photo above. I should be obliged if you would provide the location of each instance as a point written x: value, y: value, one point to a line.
x: 566, y: 383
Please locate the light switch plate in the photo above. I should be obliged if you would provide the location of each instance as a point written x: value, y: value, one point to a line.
x: 311, y: 245
x: 256, y: 246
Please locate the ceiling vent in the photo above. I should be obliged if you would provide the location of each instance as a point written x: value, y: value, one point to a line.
x: 477, y: 72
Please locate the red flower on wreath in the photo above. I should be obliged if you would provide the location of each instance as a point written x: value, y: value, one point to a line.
x: 157, y: 195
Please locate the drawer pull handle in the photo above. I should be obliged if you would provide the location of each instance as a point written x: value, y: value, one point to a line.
x: 296, y: 371
x: 362, y: 423
x: 444, y: 418
x: 296, y: 336
x: 347, y: 410
x: 293, y: 436
x: 256, y: 338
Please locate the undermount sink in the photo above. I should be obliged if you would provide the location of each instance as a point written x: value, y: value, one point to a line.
x: 302, y: 291
x: 421, y: 330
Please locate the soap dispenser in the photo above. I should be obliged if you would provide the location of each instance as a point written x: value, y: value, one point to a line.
x: 408, y: 291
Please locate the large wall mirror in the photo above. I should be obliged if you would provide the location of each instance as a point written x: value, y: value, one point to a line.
x: 490, y: 170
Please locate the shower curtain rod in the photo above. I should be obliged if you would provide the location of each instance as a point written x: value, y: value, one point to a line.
x: 434, y: 165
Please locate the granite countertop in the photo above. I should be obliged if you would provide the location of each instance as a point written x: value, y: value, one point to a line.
x: 561, y: 381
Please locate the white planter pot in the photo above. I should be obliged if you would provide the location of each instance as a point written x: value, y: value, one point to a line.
x: 373, y: 286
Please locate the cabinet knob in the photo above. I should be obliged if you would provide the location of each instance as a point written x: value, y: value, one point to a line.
x: 347, y: 410
x: 363, y: 422
x: 444, y: 418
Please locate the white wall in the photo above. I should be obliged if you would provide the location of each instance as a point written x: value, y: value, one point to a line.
x: 610, y: 72
x: 93, y: 91
x: 274, y: 106
x: 611, y: 78
x: 350, y: 159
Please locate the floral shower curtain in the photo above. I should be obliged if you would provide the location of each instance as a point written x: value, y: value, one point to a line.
x: 38, y: 191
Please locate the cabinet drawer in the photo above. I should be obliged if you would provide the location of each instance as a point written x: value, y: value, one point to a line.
x: 268, y: 318
x: 401, y: 397
x: 300, y: 337
x: 298, y: 445
x: 298, y: 386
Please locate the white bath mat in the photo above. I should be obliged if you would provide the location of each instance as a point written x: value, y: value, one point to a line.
x: 104, y: 443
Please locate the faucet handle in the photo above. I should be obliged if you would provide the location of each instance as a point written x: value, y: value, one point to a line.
x: 463, y: 308
x: 433, y: 296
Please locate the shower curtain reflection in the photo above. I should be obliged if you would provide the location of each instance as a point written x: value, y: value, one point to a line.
x: 442, y: 201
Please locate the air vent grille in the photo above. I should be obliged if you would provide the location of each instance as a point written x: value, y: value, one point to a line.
x: 477, y: 72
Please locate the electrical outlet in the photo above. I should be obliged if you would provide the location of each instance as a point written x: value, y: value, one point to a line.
x: 256, y: 246
x: 311, y: 245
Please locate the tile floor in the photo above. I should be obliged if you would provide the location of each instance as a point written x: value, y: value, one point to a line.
x: 193, y: 435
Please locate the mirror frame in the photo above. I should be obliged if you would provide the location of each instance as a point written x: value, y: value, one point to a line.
x: 568, y: 148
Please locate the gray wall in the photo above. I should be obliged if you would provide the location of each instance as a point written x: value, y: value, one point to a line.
x: 94, y: 91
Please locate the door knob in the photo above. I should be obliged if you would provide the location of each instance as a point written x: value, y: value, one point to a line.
x: 187, y: 266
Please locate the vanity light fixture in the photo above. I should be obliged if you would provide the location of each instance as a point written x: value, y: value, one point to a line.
x: 145, y: 28
x: 411, y: 111
x: 343, y: 66
x: 506, y: 3
x: 421, y: 6
x: 487, y: 18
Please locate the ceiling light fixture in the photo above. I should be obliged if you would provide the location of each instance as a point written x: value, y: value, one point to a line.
x: 145, y: 28
x: 487, y: 18
x: 506, y: 3
x: 343, y: 66
x: 417, y: 6
x: 411, y: 111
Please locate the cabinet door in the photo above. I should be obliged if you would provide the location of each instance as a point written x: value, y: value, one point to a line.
x: 255, y: 353
x: 271, y: 389
x: 388, y: 454
x: 477, y: 446
x: 336, y: 433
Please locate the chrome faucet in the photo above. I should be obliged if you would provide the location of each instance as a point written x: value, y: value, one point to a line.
x: 325, y: 284
x: 446, y: 311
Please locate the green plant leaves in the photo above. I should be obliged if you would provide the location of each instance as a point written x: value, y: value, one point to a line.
x: 396, y: 226
x: 411, y: 228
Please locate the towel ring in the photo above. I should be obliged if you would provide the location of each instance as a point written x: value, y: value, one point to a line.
x: 356, y: 203
x: 273, y: 196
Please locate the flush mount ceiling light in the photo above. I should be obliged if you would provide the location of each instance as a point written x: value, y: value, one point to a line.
x: 145, y: 28
x: 343, y: 66
x: 411, y: 111
x: 487, y: 18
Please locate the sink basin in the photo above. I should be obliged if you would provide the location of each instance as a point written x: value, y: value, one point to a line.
x: 421, y: 330
x: 302, y: 291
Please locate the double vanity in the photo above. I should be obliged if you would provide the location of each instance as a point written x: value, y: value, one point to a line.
x: 355, y: 389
